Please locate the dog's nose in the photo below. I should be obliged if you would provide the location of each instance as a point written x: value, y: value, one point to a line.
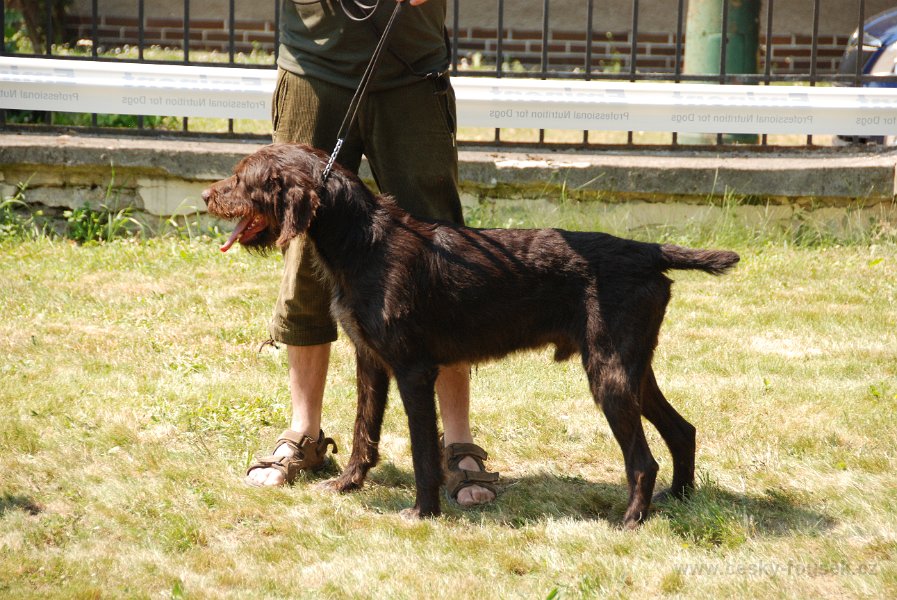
x: 206, y: 194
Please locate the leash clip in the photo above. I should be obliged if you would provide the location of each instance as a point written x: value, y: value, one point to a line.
x: 329, y: 167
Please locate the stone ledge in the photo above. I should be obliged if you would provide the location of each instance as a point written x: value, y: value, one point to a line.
x: 165, y: 177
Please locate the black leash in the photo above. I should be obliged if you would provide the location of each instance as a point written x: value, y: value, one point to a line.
x: 360, y: 92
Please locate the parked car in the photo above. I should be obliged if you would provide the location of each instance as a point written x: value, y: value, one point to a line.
x: 878, y: 53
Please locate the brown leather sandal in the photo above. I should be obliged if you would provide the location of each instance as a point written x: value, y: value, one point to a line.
x: 456, y: 478
x: 306, y: 454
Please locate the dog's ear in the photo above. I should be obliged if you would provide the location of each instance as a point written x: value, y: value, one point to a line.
x: 300, y: 203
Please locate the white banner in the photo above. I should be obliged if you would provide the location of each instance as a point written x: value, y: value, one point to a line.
x: 241, y: 93
x: 135, y: 89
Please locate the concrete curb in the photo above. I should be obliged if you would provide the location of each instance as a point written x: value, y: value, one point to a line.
x: 165, y: 177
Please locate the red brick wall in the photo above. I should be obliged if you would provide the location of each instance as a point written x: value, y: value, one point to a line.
x: 567, y: 50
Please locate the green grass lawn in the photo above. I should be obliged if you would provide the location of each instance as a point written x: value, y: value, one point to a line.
x: 133, y: 396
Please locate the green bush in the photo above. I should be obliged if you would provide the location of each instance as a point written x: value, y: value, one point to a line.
x: 86, y: 225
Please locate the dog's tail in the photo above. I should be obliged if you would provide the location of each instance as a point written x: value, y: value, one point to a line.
x: 715, y: 262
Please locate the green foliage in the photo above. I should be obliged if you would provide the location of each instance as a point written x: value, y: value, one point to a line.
x: 62, y: 119
x: 15, y: 36
x: 29, y: 20
x: 17, y: 220
x: 10, y: 220
x: 86, y: 224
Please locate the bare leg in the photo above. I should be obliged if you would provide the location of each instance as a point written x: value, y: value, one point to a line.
x: 308, y: 375
x: 453, y: 391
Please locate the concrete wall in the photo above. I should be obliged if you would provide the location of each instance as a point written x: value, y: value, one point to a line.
x: 161, y: 178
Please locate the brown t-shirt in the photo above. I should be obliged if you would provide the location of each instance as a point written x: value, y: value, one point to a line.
x: 318, y: 40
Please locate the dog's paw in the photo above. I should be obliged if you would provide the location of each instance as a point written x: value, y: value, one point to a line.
x: 678, y: 493
x: 416, y: 514
x: 633, y: 519
x: 342, y: 484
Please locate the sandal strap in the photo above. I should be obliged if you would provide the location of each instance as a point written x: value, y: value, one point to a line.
x: 288, y: 465
x: 459, y: 450
x: 305, y: 453
x: 266, y: 462
x: 298, y: 442
x: 478, y: 476
x: 458, y: 478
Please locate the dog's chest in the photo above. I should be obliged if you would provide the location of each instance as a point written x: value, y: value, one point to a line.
x: 348, y: 319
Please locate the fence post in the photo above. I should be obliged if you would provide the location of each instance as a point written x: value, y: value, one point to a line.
x: 707, y: 23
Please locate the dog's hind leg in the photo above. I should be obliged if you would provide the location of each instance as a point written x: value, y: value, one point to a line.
x: 614, y: 391
x: 678, y: 434
x: 416, y: 387
x: 372, y: 382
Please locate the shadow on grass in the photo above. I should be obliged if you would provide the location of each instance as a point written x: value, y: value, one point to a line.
x: 713, y: 516
x: 10, y: 502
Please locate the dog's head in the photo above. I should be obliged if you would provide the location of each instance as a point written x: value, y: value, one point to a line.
x: 272, y: 194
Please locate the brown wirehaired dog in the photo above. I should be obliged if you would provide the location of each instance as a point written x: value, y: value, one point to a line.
x: 414, y: 294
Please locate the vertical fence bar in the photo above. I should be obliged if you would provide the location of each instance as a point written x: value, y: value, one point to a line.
x: 141, y: 42
x: 231, y: 47
x: 3, y: 51
x: 48, y: 29
x: 48, y: 48
x: 723, y: 51
x: 680, y: 19
x: 544, y: 69
x: 231, y: 33
x: 499, y: 54
x: 94, y: 32
x: 633, y: 54
x: 141, y: 29
x: 186, y: 41
x: 590, y: 33
x: 814, y: 53
x: 814, y: 44
x: 544, y: 57
x: 633, y: 46
x: 724, y: 43
x: 185, y: 122
x: 861, y: 33
x: 276, y: 30
x: 94, y: 46
x: 500, y: 40
x: 677, y: 69
x: 455, y: 4
x: 767, y: 66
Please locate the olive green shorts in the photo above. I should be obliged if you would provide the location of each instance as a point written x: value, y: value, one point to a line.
x: 408, y: 137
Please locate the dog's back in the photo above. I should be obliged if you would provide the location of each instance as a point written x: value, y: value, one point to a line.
x: 494, y: 291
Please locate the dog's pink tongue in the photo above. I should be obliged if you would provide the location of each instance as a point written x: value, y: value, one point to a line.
x: 237, y: 232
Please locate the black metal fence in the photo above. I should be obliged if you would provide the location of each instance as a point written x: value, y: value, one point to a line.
x: 225, y: 40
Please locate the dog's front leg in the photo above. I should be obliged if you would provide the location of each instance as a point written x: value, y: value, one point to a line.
x: 372, y: 382
x: 416, y: 386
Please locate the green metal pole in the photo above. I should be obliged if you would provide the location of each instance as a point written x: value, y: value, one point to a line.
x: 703, y: 39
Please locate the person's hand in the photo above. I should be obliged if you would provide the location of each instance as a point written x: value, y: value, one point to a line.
x: 413, y: 2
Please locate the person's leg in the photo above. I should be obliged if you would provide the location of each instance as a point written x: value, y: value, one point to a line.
x: 410, y: 144
x: 308, y: 374
x: 304, y: 112
x: 453, y: 392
